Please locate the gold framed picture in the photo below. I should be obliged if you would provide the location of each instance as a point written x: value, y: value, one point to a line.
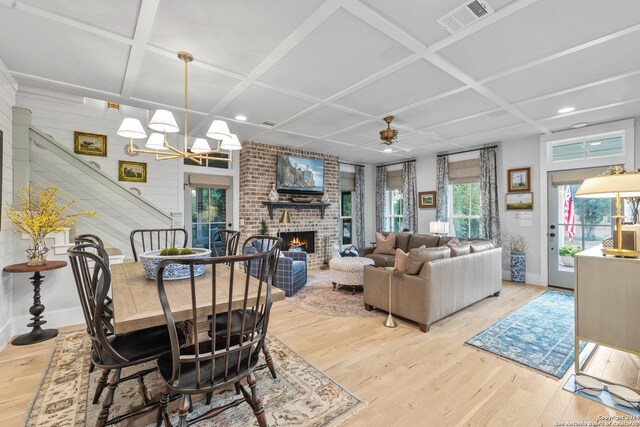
x: 90, y: 144
x: 519, y: 179
x: 426, y: 199
x: 519, y: 201
x: 132, y: 171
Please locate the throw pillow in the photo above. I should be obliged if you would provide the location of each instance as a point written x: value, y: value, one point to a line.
x: 385, y: 245
x: 458, y: 248
x: 481, y: 245
x: 401, y: 260
x: 418, y: 256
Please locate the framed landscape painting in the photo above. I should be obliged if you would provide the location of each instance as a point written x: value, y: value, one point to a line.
x: 519, y: 179
x: 426, y: 199
x: 90, y: 144
x: 132, y: 171
x: 519, y: 201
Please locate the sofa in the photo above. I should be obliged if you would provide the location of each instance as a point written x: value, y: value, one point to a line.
x: 440, y: 286
x: 406, y: 242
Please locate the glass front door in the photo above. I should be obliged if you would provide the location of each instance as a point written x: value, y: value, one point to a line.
x: 208, y: 215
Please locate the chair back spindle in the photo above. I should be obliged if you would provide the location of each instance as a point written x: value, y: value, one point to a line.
x: 227, y: 242
x: 144, y: 240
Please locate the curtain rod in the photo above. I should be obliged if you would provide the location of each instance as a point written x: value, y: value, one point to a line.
x: 346, y: 163
x: 398, y: 163
x: 467, y: 151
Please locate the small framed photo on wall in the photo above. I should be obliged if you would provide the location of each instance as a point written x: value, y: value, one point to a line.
x: 90, y: 144
x: 132, y: 171
x: 519, y: 201
x: 426, y: 199
x: 519, y: 179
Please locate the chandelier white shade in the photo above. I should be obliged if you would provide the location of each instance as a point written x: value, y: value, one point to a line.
x: 219, y: 130
x: 231, y: 144
x: 163, y: 121
x: 132, y: 128
x: 156, y: 142
x: 200, y: 145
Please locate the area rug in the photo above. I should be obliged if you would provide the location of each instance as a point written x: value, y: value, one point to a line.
x: 301, y: 396
x: 539, y: 335
x: 318, y: 296
x: 605, y: 398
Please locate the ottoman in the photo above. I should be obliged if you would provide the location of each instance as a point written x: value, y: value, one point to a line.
x: 348, y: 271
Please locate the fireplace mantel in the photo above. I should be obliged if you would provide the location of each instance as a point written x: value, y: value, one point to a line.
x: 297, y: 206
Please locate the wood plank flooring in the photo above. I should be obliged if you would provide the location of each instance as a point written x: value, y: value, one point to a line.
x: 408, y: 378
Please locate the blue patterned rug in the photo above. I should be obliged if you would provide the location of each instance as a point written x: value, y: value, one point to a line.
x: 539, y: 335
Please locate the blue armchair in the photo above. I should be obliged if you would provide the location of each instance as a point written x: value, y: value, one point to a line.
x: 291, y: 271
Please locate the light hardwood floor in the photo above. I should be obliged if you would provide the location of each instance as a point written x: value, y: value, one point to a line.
x: 407, y: 378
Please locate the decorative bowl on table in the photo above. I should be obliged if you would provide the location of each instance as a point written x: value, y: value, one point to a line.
x: 151, y: 259
x: 301, y: 199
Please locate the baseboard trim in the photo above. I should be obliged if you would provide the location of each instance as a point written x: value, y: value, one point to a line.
x: 6, y: 332
x: 55, y: 319
x: 532, y: 279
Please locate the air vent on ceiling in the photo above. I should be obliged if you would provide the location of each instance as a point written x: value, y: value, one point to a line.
x: 465, y: 15
x: 269, y: 123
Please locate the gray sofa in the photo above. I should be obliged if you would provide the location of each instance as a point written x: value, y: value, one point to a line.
x: 442, y: 286
x: 406, y: 242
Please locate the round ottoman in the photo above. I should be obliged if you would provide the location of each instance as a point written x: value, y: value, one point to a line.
x: 348, y: 271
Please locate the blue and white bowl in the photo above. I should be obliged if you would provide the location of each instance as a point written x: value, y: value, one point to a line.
x: 151, y: 259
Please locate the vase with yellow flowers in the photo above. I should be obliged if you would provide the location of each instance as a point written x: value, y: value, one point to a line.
x: 40, y: 214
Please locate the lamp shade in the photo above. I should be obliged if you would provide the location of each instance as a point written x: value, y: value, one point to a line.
x: 608, y: 186
x: 219, y: 130
x: 285, y: 218
x: 163, y: 121
x: 231, y: 144
x: 200, y: 145
x: 156, y: 142
x: 131, y: 128
x: 439, y: 227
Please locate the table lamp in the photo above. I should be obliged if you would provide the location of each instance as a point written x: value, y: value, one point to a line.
x: 608, y: 186
x: 439, y: 227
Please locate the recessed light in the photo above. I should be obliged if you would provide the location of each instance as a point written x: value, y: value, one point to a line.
x: 579, y: 125
x: 388, y: 150
x: 566, y: 110
x: 595, y: 143
x: 241, y: 117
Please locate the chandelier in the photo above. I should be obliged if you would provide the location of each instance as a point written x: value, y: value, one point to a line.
x: 163, y: 122
x: 388, y: 135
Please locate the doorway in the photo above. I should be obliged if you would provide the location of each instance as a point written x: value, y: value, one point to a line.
x: 575, y: 224
x: 210, y: 208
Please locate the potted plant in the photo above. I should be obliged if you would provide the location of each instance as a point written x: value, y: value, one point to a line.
x: 516, y: 244
x: 264, y: 228
x: 567, y: 252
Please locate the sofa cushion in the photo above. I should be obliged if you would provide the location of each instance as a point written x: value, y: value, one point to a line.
x: 418, y: 256
x: 401, y: 261
x: 427, y: 240
x: 445, y: 240
x: 481, y: 245
x: 458, y: 248
x: 382, y: 260
x: 385, y: 245
x: 402, y: 241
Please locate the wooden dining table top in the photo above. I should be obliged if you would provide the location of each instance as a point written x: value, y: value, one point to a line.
x: 136, y: 304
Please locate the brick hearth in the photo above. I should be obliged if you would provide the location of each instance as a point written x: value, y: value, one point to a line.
x: 258, y: 172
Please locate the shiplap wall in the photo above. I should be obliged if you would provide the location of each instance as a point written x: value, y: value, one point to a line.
x: 7, y: 100
x: 60, y: 115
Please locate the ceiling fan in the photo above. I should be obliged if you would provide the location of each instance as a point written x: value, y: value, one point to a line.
x: 388, y: 135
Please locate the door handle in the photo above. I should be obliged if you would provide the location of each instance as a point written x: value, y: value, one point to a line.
x: 552, y: 227
x: 552, y: 234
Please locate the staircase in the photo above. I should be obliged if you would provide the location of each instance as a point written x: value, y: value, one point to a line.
x: 118, y: 210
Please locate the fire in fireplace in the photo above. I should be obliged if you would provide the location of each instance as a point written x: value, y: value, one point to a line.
x: 305, y: 240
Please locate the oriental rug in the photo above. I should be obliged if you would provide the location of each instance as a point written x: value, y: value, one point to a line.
x: 301, y: 396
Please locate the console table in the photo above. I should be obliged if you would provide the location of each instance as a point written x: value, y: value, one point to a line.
x: 293, y: 205
x: 37, y: 334
x: 607, y: 293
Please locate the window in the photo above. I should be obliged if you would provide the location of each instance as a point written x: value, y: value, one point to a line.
x: 393, y: 218
x: 345, y: 217
x: 464, y: 215
x: 208, y: 215
x: 588, y: 148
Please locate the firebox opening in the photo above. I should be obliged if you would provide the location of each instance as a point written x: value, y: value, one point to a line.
x: 304, y: 240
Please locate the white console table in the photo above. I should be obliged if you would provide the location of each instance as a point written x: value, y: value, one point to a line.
x: 607, y: 302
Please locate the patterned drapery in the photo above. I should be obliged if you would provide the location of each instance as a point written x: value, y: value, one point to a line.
x: 358, y: 206
x: 409, y: 196
x: 442, y: 187
x: 489, y: 214
x: 381, y: 185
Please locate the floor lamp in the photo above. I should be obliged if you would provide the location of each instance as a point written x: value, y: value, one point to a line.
x: 609, y: 186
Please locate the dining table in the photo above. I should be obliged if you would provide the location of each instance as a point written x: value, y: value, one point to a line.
x: 136, y: 304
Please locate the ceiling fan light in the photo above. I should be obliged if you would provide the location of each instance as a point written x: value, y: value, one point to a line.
x: 219, y: 130
x: 131, y: 128
x: 231, y: 144
x: 200, y: 145
x: 156, y: 142
x: 163, y: 121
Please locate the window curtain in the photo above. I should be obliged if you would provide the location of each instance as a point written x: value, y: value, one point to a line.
x: 442, y: 187
x: 358, y: 206
x: 489, y: 213
x: 409, y: 196
x: 381, y: 185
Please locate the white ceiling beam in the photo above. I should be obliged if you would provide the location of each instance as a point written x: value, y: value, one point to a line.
x: 589, y: 110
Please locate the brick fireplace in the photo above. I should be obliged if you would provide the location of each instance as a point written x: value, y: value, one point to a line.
x: 258, y: 172
x: 305, y: 240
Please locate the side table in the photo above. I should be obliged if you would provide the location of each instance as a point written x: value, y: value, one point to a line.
x: 37, y: 334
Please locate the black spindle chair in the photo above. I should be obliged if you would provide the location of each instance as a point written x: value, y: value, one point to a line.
x: 227, y: 242
x: 157, y: 238
x: 231, y: 351
x: 112, y: 352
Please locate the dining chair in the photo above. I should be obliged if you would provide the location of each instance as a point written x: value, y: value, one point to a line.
x: 231, y: 351
x: 225, y: 242
x: 88, y: 238
x: 151, y: 239
x: 110, y: 351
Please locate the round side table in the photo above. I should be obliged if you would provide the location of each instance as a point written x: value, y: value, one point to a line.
x: 37, y: 334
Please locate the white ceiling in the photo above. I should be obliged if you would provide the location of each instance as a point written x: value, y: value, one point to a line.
x: 328, y: 71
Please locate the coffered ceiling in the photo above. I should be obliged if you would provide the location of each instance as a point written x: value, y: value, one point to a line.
x: 327, y: 72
